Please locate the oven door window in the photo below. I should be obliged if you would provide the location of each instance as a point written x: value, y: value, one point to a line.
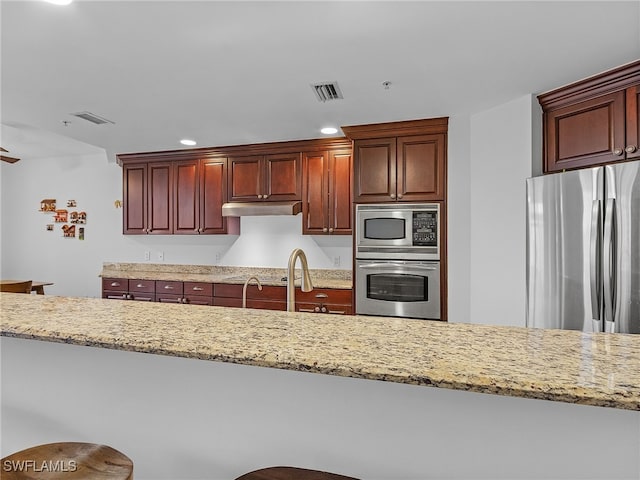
x: 391, y: 287
x: 384, y: 228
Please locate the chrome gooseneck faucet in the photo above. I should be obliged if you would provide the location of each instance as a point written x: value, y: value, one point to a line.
x: 244, y: 290
x: 291, y: 271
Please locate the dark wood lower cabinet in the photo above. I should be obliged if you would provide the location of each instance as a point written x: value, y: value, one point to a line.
x: 271, y: 297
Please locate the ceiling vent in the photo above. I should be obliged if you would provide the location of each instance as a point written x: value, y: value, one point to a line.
x: 327, y: 91
x: 90, y: 117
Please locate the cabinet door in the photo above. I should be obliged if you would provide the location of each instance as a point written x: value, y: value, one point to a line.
x: 245, y: 181
x: 213, y: 176
x: 315, y: 191
x: 160, y: 198
x: 587, y: 133
x: 282, y: 177
x: 134, y: 213
x: 340, y: 203
x: 186, y: 204
x: 421, y: 168
x: 632, y: 148
x: 374, y: 170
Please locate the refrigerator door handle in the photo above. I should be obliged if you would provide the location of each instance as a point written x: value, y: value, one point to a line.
x: 609, y: 253
x: 596, y: 262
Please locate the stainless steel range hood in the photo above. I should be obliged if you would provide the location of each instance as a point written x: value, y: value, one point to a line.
x: 245, y: 209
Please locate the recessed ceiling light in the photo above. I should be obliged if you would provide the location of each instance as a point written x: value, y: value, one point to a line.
x: 59, y: 2
x: 186, y: 141
x: 329, y: 130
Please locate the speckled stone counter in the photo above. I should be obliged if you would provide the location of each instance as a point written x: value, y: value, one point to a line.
x: 221, y: 274
x: 565, y: 366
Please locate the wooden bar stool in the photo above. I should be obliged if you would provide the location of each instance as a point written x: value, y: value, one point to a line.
x: 291, y: 473
x: 67, y: 461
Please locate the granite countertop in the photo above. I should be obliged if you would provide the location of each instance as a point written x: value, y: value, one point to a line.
x: 567, y: 366
x: 321, y: 278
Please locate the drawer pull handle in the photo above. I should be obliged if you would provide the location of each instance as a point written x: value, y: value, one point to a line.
x: 198, y: 289
x: 308, y: 310
x: 339, y: 312
x: 115, y: 284
x: 322, y: 295
x: 139, y: 285
x: 168, y: 287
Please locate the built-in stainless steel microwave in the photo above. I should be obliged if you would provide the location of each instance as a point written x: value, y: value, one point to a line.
x: 398, y: 231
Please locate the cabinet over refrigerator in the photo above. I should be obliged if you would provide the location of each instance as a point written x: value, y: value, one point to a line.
x: 583, y: 249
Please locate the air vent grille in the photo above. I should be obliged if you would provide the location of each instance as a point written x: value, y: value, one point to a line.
x: 90, y: 117
x: 327, y: 91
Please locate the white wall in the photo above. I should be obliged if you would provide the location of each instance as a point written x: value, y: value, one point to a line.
x: 502, y: 154
x: 29, y: 251
x: 459, y: 219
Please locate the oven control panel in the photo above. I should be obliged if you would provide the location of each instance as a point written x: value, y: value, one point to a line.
x: 425, y: 228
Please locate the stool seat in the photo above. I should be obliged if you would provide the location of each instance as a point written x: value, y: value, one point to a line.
x: 67, y: 461
x: 291, y: 473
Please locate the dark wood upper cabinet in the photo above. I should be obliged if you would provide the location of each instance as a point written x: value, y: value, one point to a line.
x: 593, y: 121
x: 399, y: 161
x: 134, y: 213
x: 271, y: 178
x: 182, y: 196
x: 212, y: 194
x: 326, y: 192
x: 186, y: 214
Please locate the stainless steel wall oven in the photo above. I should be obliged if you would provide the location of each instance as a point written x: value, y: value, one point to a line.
x: 398, y: 260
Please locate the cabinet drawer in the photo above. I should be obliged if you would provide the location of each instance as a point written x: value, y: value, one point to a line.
x: 115, y: 284
x: 268, y: 292
x: 325, y: 295
x: 168, y: 288
x: 198, y: 288
x: 146, y: 286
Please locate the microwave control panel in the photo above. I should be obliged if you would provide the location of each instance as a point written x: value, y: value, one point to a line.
x: 425, y: 229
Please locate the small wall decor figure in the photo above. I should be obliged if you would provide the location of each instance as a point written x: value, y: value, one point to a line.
x: 69, y: 230
x: 48, y: 205
x: 50, y: 227
x: 61, y: 216
x: 78, y: 217
x: 71, y: 203
x: 81, y: 233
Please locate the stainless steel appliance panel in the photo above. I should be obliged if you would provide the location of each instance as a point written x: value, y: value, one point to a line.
x: 398, y: 288
x: 621, y: 258
x: 564, y: 236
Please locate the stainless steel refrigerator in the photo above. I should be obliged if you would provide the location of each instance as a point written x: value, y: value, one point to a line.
x: 583, y: 249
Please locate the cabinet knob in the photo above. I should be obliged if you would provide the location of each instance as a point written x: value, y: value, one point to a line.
x: 618, y: 151
x: 325, y: 229
x: 323, y: 309
x: 393, y: 195
x: 400, y: 195
x: 331, y: 230
x: 149, y: 230
x: 265, y: 196
x: 259, y: 196
x: 316, y: 309
x: 631, y: 149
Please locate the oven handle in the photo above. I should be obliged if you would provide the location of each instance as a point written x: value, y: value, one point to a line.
x: 396, y: 265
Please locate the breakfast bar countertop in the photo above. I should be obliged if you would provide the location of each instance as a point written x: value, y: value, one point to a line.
x: 566, y: 366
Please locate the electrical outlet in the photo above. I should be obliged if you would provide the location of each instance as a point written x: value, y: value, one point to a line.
x: 218, y: 256
x: 147, y: 255
x: 336, y: 261
x: 161, y: 256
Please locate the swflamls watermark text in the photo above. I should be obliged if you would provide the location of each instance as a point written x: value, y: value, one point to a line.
x: 39, y: 466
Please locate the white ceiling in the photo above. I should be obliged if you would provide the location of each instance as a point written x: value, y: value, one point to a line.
x: 227, y: 73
